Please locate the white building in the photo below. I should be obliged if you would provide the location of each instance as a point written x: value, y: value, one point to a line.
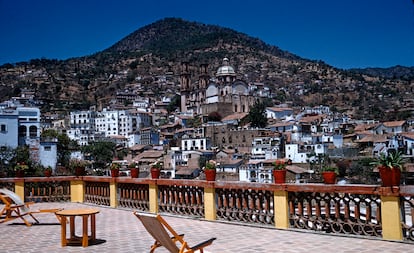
x: 299, y: 154
x: 107, y: 122
x: 264, y: 148
x: 292, y: 153
x: 82, y: 127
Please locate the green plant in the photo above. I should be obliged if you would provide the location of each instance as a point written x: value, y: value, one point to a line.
x: 21, y: 166
x: 279, y: 164
x: 157, y: 165
x: 330, y: 168
x: 210, y: 166
x: 77, y: 165
x: 115, y: 166
x: 392, y: 160
x: 132, y: 165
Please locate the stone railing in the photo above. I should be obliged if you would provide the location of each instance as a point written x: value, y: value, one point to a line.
x: 364, y: 210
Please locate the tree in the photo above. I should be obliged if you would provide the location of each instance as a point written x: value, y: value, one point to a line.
x: 101, y: 152
x: 214, y: 116
x: 6, y: 156
x: 174, y: 104
x: 257, y: 116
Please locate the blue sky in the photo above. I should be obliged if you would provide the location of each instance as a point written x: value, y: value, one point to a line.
x: 344, y: 34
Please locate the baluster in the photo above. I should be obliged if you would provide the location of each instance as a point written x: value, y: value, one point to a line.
x: 300, y: 208
x: 346, y: 210
x: 368, y: 212
x: 357, y: 212
x: 337, y: 210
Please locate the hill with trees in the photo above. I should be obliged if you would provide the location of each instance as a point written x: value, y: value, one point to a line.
x: 148, y: 62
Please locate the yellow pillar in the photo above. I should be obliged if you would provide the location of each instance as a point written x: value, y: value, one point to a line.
x: 153, y: 198
x: 281, y: 206
x: 113, y: 194
x: 19, y: 189
x: 77, y: 191
x: 391, y: 218
x: 210, y: 203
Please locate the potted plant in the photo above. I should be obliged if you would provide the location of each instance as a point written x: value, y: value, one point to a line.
x: 115, y: 169
x: 329, y: 174
x: 279, y: 171
x: 77, y: 167
x: 134, y: 169
x: 156, y: 170
x: 20, y: 169
x: 48, y: 171
x: 210, y: 171
x: 389, y: 167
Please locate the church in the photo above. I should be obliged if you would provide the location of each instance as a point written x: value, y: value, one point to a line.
x: 222, y: 93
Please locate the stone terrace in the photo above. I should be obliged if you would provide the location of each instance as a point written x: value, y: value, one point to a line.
x: 118, y: 230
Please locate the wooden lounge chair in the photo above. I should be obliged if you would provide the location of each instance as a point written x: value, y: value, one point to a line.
x: 15, y: 208
x: 165, y: 236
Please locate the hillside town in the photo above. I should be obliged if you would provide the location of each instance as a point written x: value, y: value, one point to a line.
x: 209, y: 123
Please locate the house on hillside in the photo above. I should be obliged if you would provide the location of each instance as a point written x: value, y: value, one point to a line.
x: 278, y: 112
x: 282, y: 127
x: 391, y: 127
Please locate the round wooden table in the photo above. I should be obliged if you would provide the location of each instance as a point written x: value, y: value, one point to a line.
x: 72, y: 213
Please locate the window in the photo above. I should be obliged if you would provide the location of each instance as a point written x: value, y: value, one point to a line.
x: 3, y: 128
x: 22, y: 131
x: 33, y: 131
x: 48, y: 148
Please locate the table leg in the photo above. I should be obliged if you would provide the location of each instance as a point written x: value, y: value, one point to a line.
x: 93, y: 227
x: 85, y: 231
x: 63, y: 231
x: 72, y: 227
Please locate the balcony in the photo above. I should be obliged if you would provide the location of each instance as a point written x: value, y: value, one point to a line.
x: 272, y: 215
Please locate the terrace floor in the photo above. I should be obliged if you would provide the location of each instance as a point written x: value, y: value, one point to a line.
x: 118, y: 230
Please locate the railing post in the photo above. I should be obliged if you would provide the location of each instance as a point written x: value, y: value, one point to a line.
x: 113, y: 196
x: 153, y: 197
x: 281, y: 209
x: 77, y: 191
x: 210, y: 202
x: 391, y: 218
x: 19, y: 188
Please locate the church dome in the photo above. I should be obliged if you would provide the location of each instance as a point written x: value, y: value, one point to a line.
x: 226, y: 69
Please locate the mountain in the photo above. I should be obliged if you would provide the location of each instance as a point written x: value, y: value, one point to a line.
x: 173, y: 36
x: 148, y: 62
x: 396, y: 72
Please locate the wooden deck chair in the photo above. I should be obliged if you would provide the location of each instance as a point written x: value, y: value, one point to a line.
x: 15, y: 208
x: 165, y: 236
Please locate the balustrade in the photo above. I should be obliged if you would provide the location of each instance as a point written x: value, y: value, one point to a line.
x: 97, y: 193
x: 245, y: 205
x: 364, y: 210
x: 344, y: 213
x: 181, y: 199
x: 134, y: 196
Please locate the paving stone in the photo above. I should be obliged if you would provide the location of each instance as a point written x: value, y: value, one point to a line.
x: 120, y: 231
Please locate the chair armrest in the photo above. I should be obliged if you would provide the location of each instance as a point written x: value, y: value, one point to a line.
x: 203, y: 244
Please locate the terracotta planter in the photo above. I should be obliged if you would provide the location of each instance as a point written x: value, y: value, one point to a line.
x: 79, y: 171
x: 279, y: 176
x: 155, y: 173
x: 19, y: 173
x: 390, y: 177
x: 47, y: 173
x: 210, y: 175
x: 134, y: 172
x: 114, y: 172
x: 329, y: 177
